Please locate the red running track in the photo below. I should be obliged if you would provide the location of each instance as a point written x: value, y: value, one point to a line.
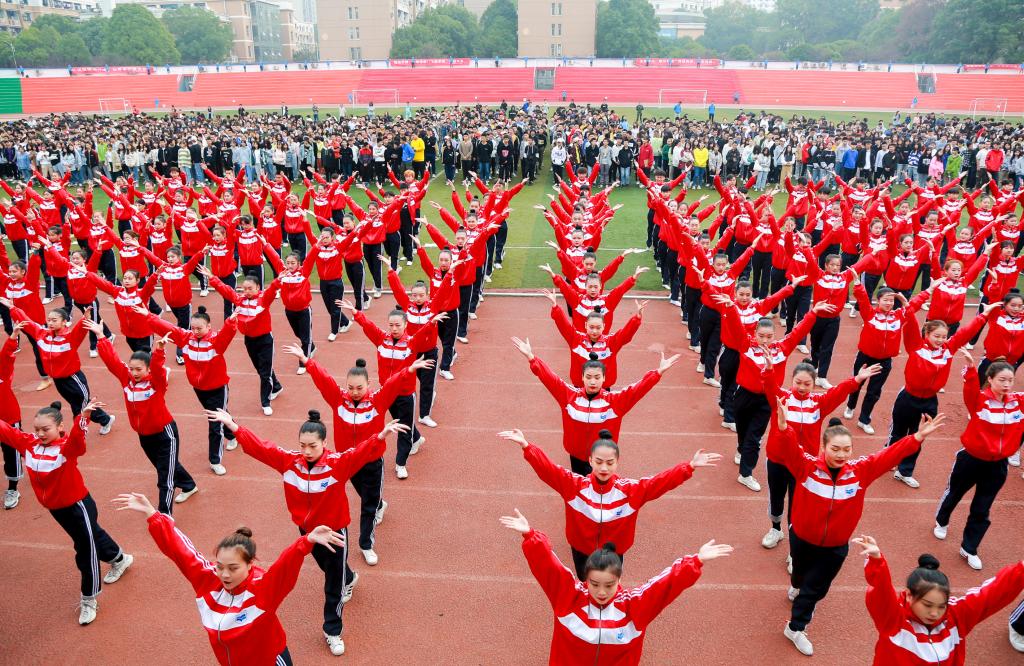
x: 452, y: 585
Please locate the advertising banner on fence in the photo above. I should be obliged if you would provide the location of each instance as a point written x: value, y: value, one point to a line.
x: 430, y: 62
x: 677, y: 62
x: 88, y: 71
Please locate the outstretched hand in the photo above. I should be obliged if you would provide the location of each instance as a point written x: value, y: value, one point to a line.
x: 704, y: 459
x: 517, y: 522
x: 134, y: 502
x: 712, y: 551
x: 516, y: 436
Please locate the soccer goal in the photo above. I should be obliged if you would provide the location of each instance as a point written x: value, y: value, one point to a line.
x: 379, y: 97
x: 688, y: 96
x: 988, y: 106
x: 115, y: 105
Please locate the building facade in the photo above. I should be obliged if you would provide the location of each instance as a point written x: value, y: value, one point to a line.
x: 557, y: 29
x: 17, y: 15
x: 363, y: 29
x: 476, y: 6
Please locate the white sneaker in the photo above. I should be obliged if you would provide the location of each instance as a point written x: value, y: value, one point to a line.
x: 218, y: 469
x: 700, y: 367
x: 416, y: 446
x: 721, y: 412
x: 408, y: 262
x: 447, y: 374
x: 401, y: 472
x: 1016, y: 640
x: 87, y: 611
x: 695, y: 348
x: 429, y: 422
x: 792, y: 593
x: 866, y: 427
x: 711, y: 381
x: 497, y: 265
x: 231, y: 444
x: 47, y: 300
x: 909, y: 480
x: 940, y: 531
x: 110, y: 424
x: 93, y: 353
x: 268, y: 410
x: 968, y: 346
x: 821, y: 382
x: 789, y: 565
x: 674, y: 302
x: 332, y: 337
x: 772, y: 538
x: 180, y: 360
x: 1014, y: 460
x: 750, y: 482
x: 117, y: 569
x: 472, y: 315
x: 925, y: 307
x: 376, y: 293
x: 736, y: 459
x: 335, y: 645
x: 185, y: 494
x: 204, y: 292
x: 729, y: 426
x: 800, y: 640
x: 487, y: 278
x: 378, y: 517
x: 847, y: 413
x: 273, y: 394
x: 853, y: 313
x: 973, y: 561
x: 300, y: 370
x: 11, y: 499
x: 346, y: 595
x: 803, y: 349
x: 344, y: 329
x: 688, y: 337
x: 371, y: 557
x: 463, y: 340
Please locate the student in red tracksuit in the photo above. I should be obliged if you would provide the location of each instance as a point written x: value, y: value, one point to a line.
x: 879, y: 343
x: 330, y: 263
x: 827, y: 505
x: 314, y: 491
x: 420, y: 310
x: 594, y: 298
x: 832, y: 286
x: 251, y: 248
x: 603, y: 506
x: 143, y: 381
x: 237, y: 600
x: 10, y: 413
x: 948, y: 300
x: 396, y: 350
x: 447, y: 330
x: 924, y: 624
x: 929, y: 361
x: 126, y: 297
x: 83, y: 290
x: 750, y: 406
x: 1005, y: 337
x: 993, y: 434
x: 195, y: 236
x: 203, y: 349
x: 176, y: 287
x: 377, y: 221
x: 293, y: 282
x: 597, y: 622
x: 588, y: 409
x: 905, y: 261
x: 593, y: 340
x: 51, y: 456
x: 20, y: 287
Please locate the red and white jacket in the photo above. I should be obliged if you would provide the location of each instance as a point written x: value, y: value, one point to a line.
x: 10, y: 410
x: 315, y: 494
x: 805, y: 412
x: 394, y: 356
x: 583, y: 631
x: 242, y: 624
x: 753, y: 359
x: 253, y: 312
x: 582, y: 304
x: 145, y: 399
x: 927, y: 369
x: 53, y: 467
x: 827, y: 506
x: 583, y: 416
x: 205, y: 368
x: 57, y: 351
x: 995, y: 426
x: 174, y: 280
x: 1005, y: 337
x: 949, y: 296
x: 595, y: 512
x: 904, y: 641
x: 606, y: 347
x: 296, y: 294
x: 882, y: 333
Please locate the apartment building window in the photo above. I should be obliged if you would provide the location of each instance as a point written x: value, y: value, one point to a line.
x: 556, y: 9
x: 353, y: 13
x: 355, y: 53
x: 556, y: 50
x: 353, y: 33
x: 556, y: 29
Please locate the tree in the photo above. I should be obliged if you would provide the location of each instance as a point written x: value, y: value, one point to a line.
x: 6, y: 54
x: 71, y: 50
x: 35, y: 46
x: 733, y: 24
x: 445, y: 31
x: 94, y: 32
x: 881, y: 38
x: 308, y: 54
x: 499, y: 30
x: 626, y: 28
x: 199, y: 35
x: 136, y: 37
x: 684, y: 47
x: 62, y: 24
x: 827, y: 20
x: 978, y: 31
x: 741, y: 52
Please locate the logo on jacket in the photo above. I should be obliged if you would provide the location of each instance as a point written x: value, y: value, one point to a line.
x: 324, y: 484
x: 241, y: 617
x: 851, y: 491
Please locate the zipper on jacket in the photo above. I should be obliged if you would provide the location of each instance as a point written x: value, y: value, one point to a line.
x: 227, y: 650
x: 828, y: 514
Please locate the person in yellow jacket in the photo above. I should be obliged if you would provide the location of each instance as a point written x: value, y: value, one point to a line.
x: 700, y: 164
x: 418, y: 158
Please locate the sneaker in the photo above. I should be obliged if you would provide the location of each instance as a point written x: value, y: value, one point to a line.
x: 180, y: 360
x: 750, y: 482
x: 940, y: 531
x: 204, y: 292
x: 853, y: 313
x: 401, y: 472
x: 416, y: 445
x: 800, y: 640
x: 447, y: 374
x: 185, y: 494
x: 110, y: 424
x: 47, y: 300
x: 803, y: 349
x: 664, y: 285
x: 332, y: 337
x: 472, y: 315
x: 268, y: 410
x: 711, y: 381
x: 968, y: 346
x: 487, y: 278
x: 909, y: 480
x: 700, y: 367
x: 736, y: 459
x: 674, y: 301
x: 87, y: 611
x: 117, y: 569
x: 721, y: 412
x: 688, y: 337
x: 821, y: 382
x: 408, y: 262
x: 378, y: 517
x: 925, y: 307
x: 694, y: 348
x: 772, y: 538
x: 11, y: 499
x: 1016, y: 640
x: 273, y: 394
x: 346, y: 595
x: 1014, y: 460
x: 973, y: 561
x: 335, y: 645
x: 866, y: 427
x: 231, y: 444
x: 429, y: 422
x: 729, y: 426
x: 789, y: 565
x: 847, y: 413
x: 792, y: 593
x: 218, y: 469
x: 93, y: 353
x: 464, y: 340
x: 42, y: 386
x: 344, y: 329
x: 300, y: 370
x: 497, y: 265
x: 376, y: 293
x: 370, y: 556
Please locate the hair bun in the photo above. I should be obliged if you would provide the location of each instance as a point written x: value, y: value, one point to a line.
x: 590, y: 248
x: 56, y: 405
x: 360, y: 362
x: 244, y: 531
x: 834, y: 421
x: 201, y: 309
x: 604, y: 433
x: 808, y: 360
x: 593, y: 356
x: 927, y: 561
x: 609, y: 546
x: 313, y: 415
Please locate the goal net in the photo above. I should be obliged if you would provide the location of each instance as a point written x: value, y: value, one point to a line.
x: 988, y: 106
x: 686, y: 96
x: 379, y: 97
x: 115, y: 105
